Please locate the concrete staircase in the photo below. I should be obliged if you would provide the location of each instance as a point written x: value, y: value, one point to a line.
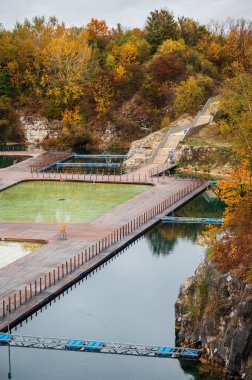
x: 176, y: 135
x: 170, y: 145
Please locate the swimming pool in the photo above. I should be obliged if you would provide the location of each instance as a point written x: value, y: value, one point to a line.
x: 11, y: 251
x: 63, y: 202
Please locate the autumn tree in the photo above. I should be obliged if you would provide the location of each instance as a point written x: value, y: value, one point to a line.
x: 235, y: 112
x: 102, y: 92
x: 191, y: 93
x: 97, y: 32
x: 18, y: 58
x: 165, y: 67
x: 160, y: 26
x: 190, y: 30
x: 231, y: 250
x: 65, y: 68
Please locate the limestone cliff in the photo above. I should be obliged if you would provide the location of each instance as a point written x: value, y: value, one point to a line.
x: 37, y: 128
x: 215, y: 309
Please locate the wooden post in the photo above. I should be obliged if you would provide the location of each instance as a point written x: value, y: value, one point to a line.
x: 20, y: 297
x: 30, y: 290
x: 35, y: 287
x: 82, y: 258
x: 62, y: 270
x: 78, y: 260
x: 74, y: 262
x: 4, y: 313
x: 71, y: 265
x: 59, y: 272
x: 25, y: 293
x: 66, y: 267
x: 9, y: 301
x: 54, y: 276
x: 50, y: 279
x: 15, y: 301
x: 40, y: 284
x: 85, y: 256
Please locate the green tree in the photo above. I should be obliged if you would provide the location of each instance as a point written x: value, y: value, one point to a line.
x: 5, y: 85
x: 160, y: 26
x: 9, y: 125
x: 190, y: 30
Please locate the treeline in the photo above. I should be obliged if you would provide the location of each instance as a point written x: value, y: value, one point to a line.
x: 131, y: 80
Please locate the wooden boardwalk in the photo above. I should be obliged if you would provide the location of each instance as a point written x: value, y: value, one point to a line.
x: 36, y: 278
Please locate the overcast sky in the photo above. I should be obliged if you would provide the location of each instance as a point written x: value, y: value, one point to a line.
x: 129, y: 13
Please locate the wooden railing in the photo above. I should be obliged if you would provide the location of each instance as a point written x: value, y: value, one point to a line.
x: 40, y: 284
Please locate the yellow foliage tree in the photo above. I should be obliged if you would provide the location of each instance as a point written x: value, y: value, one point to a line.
x: 171, y: 46
x: 65, y: 65
x: 188, y: 95
x: 120, y: 72
x: 102, y: 94
x: 129, y: 53
x: 231, y: 250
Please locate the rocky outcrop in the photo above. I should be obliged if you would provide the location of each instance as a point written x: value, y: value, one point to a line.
x: 206, y: 159
x: 37, y: 128
x: 141, y: 150
x: 216, y: 310
x: 188, y: 153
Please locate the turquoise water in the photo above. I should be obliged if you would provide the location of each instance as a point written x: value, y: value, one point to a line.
x: 63, y: 202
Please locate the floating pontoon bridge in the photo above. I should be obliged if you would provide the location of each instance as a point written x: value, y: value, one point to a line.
x: 80, y: 345
x: 178, y: 219
x: 88, y: 165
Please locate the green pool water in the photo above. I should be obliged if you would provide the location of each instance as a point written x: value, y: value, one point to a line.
x: 58, y: 202
x: 13, y: 250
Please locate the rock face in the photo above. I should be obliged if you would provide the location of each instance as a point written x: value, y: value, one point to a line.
x: 38, y: 128
x: 140, y: 150
x: 216, y: 309
x: 188, y: 153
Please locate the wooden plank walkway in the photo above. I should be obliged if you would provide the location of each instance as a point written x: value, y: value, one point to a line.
x: 88, y: 244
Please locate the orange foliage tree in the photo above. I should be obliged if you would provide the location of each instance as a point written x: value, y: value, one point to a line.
x: 231, y: 247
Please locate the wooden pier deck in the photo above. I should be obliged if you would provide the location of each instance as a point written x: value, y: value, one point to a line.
x: 36, y: 278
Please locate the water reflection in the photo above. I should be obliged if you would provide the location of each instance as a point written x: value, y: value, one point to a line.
x: 6, y: 161
x: 202, y: 207
x: 131, y: 299
x: 163, y: 239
